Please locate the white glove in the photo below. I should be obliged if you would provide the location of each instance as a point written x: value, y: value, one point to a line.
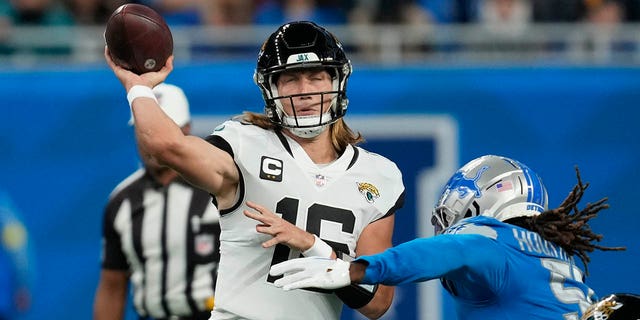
x: 313, y: 272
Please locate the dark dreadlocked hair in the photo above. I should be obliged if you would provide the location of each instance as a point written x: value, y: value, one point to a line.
x: 567, y: 225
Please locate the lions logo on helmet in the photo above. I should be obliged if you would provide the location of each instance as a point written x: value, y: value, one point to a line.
x: 501, y: 188
x: 464, y: 185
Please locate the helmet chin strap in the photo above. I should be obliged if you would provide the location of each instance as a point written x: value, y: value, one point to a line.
x: 311, y: 131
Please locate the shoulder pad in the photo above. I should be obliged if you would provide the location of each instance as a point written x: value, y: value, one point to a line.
x: 472, y: 228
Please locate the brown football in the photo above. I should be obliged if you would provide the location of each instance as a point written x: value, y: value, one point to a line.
x: 138, y: 38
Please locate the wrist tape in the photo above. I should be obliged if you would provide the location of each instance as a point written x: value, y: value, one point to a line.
x: 140, y: 91
x: 318, y: 249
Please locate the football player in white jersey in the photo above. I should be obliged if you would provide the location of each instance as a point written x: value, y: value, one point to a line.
x: 299, y: 159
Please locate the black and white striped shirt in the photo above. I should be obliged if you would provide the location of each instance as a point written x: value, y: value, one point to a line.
x: 167, y: 238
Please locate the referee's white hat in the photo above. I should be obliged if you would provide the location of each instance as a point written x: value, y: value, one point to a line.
x: 173, y: 102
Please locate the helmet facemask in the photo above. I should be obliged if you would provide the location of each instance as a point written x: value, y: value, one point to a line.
x: 303, y: 45
x: 452, y: 207
x: 308, y: 126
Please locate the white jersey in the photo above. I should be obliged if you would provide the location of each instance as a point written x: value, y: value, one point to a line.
x: 335, y: 202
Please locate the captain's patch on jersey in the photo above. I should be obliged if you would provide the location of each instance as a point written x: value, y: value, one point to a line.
x: 271, y: 169
x: 369, y: 191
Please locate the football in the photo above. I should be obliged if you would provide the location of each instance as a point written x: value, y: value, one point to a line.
x: 138, y: 38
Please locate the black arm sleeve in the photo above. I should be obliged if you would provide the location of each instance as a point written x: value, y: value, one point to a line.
x: 355, y: 296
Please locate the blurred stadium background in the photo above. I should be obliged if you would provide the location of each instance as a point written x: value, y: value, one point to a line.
x: 555, y: 84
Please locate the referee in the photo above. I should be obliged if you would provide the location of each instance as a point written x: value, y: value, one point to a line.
x: 162, y: 235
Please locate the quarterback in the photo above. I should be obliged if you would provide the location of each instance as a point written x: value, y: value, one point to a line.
x: 288, y: 182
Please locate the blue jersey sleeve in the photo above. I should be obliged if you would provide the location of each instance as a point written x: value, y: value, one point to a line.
x: 432, y: 258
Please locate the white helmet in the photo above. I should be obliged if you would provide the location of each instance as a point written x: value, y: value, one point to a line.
x: 491, y: 186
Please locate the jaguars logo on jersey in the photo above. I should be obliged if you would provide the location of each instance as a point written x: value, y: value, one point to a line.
x: 369, y: 191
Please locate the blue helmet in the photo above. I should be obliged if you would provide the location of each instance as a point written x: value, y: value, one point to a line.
x: 491, y: 186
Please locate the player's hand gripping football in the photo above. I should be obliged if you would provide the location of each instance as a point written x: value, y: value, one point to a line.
x: 311, y: 272
x: 282, y: 230
x: 130, y: 79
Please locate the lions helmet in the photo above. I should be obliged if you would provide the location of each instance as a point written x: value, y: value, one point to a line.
x: 617, y: 306
x: 492, y: 186
x: 302, y: 44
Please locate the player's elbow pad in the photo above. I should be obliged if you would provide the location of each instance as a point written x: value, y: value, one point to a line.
x: 357, y: 296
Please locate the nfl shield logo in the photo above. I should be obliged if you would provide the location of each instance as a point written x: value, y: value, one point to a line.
x: 204, y: 244
x: 320, y: 180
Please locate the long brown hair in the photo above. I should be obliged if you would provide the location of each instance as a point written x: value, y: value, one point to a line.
x: 567, y: 225
x: 341, y: 134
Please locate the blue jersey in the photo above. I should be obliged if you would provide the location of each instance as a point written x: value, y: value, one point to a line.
x: 492, y: 269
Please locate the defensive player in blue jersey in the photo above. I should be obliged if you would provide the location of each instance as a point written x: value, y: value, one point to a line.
x: 499, y: 251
